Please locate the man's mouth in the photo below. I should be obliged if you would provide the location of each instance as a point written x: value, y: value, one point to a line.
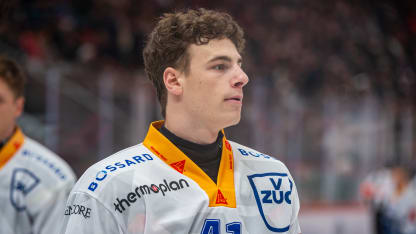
x: 235, y: 98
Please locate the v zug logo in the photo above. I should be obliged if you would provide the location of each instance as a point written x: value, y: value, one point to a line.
x: 272, y: 192
x: 23, y: 181
x: 276, y: 195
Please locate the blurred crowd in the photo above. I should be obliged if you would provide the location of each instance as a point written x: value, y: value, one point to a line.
x: 331, y: 91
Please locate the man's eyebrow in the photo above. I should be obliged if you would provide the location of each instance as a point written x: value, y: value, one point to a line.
x: 224, y: 58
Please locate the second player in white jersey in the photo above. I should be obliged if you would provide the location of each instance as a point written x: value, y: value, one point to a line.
x: 154, y: 188
x: 34, y: 185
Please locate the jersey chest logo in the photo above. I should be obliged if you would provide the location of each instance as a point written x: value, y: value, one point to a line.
x: 23, y: 181
x: 273, y: 194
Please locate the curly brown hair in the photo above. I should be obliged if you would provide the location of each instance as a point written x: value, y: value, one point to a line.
x: 168, y: 42
x: 12, y: 75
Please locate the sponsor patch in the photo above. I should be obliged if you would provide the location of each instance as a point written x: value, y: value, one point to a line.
x: 179, y: 166
x: 273, y: 194
x: 133, y: 161
x: 78, y: 210
x: 51, y: 165
x: 253, y: 154
x: 120, y: 205
x: 220, y: 198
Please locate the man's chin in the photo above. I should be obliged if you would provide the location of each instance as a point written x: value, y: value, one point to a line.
x: 234, y: 121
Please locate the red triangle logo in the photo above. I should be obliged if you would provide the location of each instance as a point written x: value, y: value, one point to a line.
x: 220, y: 198
x: 179, y: 166
x: 16, y: 145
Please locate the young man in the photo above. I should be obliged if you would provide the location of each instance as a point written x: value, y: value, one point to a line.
x: 34, y: 182
x: 186, y: 177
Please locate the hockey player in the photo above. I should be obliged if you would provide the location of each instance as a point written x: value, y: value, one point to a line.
x: 399, y: 211
x: 34, y: 182
x: 186, y: 176
x: 391, y: 193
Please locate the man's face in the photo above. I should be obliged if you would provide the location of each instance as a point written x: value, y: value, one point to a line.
x: 10, y: 108
x: 213, y: 86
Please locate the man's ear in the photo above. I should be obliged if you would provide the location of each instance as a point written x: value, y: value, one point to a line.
x: 19, y: 105
x: 172, y: 81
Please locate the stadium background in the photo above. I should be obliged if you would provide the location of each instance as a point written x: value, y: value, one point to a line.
x: 332, y: 90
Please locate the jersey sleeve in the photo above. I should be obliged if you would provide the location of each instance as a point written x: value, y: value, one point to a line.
x: 85, y: 214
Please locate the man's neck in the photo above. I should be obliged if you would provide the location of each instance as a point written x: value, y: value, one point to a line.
x: 6, y: 138
x: 191, y: 131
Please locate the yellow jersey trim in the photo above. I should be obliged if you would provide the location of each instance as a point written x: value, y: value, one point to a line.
x: 220, y: 194
x: 11, y: 147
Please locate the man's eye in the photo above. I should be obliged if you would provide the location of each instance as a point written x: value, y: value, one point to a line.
x: 219, y: 67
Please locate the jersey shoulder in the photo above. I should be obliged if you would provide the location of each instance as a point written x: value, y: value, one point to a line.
x: 36, y: 157
x: 248, y: 153
x: 116, y: 169
x: 249, y: 156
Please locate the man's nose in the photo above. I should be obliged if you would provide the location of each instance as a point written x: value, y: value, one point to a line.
x: 240, y: 79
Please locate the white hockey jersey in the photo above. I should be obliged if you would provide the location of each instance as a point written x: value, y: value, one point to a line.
x: 34, y: 186
x: 400, y: 211
x: 154, y: 188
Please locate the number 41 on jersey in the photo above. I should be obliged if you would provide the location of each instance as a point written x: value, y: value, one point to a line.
x: 212, y: 226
